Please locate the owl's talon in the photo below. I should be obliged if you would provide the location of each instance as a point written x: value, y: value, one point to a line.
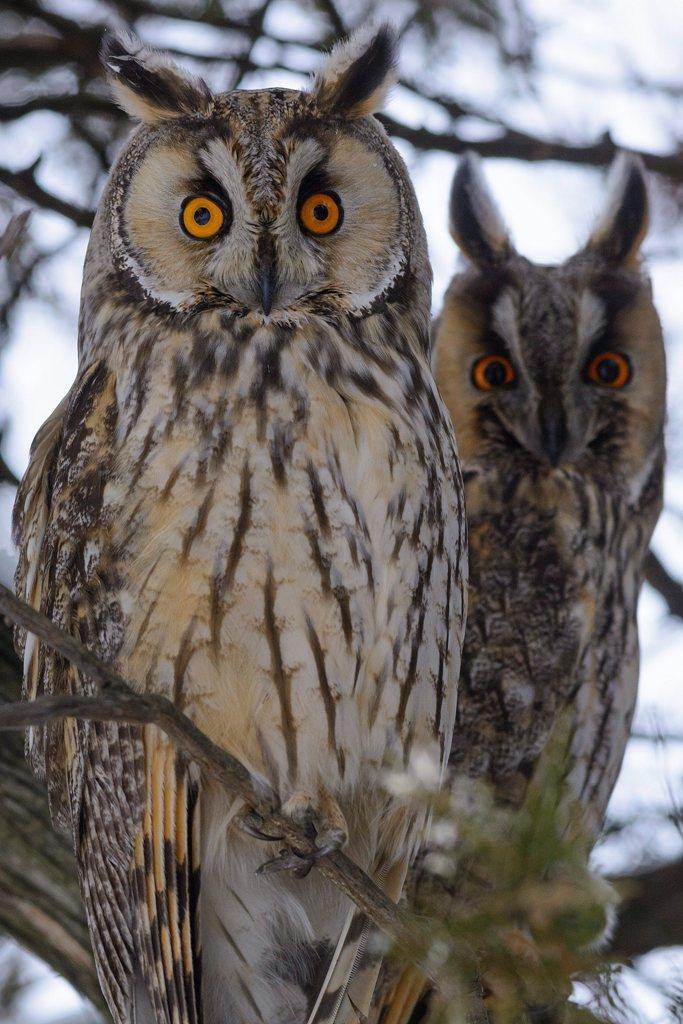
x: 302, y: 863
x: 328, y: 841
x: 246, y: 825
x: 287, y: 860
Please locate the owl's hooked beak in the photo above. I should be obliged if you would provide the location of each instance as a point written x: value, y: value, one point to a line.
x: 267, y: 275
x: 553, y: 424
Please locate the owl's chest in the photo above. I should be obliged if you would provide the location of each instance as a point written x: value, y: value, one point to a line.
x: 554, y: 588
x: 227, y: 482
x: 199, y: 449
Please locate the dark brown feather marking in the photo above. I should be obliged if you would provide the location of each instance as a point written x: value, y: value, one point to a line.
x: 182, y: 660
x: 418, y: 602
x: 199, y: 525
x: 222, y: 582
x: 325, y: 690
x: 318, y: 499
x: 337, y: 590
x: 280, y: 677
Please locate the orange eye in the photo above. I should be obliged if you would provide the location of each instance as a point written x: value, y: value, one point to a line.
x: 491, y: 372
x: 609, y: 369
x: 321, y: 213
x: 201, y: 217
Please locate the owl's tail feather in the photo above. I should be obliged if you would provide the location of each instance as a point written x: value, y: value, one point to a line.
x: 400, y: 1003
x: 166, y: 881
x: 346, y: 994
x: 143, y: 1011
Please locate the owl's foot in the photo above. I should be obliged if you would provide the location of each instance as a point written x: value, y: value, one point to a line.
x: 247, y: 823
x: 322, y: 820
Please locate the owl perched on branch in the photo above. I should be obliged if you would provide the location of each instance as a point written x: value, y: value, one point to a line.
x: 249, y: 502
x: 555, y: 378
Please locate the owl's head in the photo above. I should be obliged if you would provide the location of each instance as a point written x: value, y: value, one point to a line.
x: 268, y: 203
x: 553, y: 366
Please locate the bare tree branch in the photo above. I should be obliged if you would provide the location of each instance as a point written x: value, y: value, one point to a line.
x: 658, y: 576
x: 118, y: 702
x: 25, y: 184
x: 651, y: 915
x: 519, y: 145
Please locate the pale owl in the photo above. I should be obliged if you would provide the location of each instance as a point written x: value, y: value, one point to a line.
x: 249, y: 501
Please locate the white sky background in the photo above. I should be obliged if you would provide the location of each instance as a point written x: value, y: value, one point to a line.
x: 586, y: 50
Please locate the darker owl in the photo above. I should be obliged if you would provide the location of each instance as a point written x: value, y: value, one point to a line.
x: 555, y: 379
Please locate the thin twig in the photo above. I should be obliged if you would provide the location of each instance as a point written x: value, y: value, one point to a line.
x: 24, y: 183
x: 117, y: 701
x: 13, y: 233
x: 661, y: 580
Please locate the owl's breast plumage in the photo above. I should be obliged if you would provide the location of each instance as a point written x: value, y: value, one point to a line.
x: 280, y: 543
x: 551, y: 644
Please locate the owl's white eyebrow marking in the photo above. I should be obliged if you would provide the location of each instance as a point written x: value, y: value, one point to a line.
x: 303, y: 159
x: 216, y: 159
x: 590, y: 317
x: 505, y: 320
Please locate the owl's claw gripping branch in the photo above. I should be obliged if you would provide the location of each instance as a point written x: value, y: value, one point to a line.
x: 116, y: 701
x: 301, y: 863
x: 250, y: 824
x: 288, y: 860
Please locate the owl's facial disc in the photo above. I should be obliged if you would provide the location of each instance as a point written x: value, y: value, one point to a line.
x: 563, y: 365
x: 270, y: 203
x: 270, y: 227
x: 548, y: 365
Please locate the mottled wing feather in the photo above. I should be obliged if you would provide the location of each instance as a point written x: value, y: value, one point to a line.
x: 31, y: 510
x: 167, y: 883
x: 131, y: 803
x: 351, y: 981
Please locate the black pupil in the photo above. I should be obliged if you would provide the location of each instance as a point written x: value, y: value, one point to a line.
x: 202, y: 215
x: 320, y: 211
x: 495, y: 374
x: 608, y: 370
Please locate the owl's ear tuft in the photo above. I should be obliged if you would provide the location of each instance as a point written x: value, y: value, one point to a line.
x: 619, y: 233
x: 475, y: 223
x: 358, y: 73
x: 147, y: 84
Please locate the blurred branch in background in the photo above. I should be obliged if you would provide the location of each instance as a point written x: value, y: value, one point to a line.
x: 40, y: 902
x: 663, y: 582
x: 651, y: 915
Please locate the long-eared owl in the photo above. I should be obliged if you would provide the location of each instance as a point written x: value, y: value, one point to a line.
x: 555, y: 378
x: 250, y: 502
